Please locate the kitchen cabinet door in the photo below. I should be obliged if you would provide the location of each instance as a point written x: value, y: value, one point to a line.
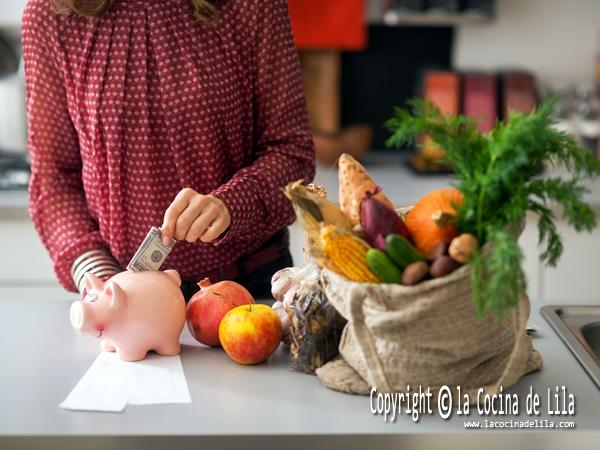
x: 531, y: 261
x: 577, y: 277
x: 25, y: 260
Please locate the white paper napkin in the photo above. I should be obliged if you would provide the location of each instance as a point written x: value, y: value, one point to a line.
x: 111, y: 384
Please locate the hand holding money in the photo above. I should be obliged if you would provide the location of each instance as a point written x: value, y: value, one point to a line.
x: 193, y: 216
x: 152, y: 253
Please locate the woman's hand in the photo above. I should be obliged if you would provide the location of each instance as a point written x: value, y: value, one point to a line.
x: 194, y: 216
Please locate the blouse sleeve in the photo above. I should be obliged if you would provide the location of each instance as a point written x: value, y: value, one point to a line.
x: 57, y: 201
x: 284, y: 146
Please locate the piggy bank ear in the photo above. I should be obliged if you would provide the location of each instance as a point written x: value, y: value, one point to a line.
x: 114, y: 294
x: 174, y: 276
x: 92, y: 283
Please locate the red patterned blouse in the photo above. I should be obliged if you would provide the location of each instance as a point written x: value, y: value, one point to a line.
x: 127, y: 109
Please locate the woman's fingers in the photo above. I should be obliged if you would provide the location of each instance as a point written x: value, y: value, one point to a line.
x: 215, y: 229
x: 194, y: 216
x: 178, y: 206
x: 196, y: 208
x: 221, y: 222
x: 209, y: 215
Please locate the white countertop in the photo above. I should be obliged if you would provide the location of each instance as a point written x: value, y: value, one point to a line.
x: 43, y: 358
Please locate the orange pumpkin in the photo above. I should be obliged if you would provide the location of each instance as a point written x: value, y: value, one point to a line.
x: 426, y: 222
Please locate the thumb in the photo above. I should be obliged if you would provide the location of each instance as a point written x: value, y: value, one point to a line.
x: 167, y: 232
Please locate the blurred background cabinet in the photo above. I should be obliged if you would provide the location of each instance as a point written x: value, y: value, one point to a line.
x: 26, y: 269
x: 577, y: 277
x: 25, y: 260
x: 11, y: 11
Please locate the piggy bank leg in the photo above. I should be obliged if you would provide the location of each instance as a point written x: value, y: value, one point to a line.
x: 107, y: 346
x: 127, y: 354
x: 171, y: 348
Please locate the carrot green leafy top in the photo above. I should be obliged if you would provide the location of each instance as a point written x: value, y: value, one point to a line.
x: 497, y: 173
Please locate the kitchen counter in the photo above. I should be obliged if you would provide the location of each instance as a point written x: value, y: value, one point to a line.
x: 43, y: 359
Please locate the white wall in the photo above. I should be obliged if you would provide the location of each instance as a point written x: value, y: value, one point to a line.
x: 10, y: 11
x: 556, y: 39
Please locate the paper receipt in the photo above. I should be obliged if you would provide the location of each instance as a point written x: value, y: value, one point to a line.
x: 110, y: 384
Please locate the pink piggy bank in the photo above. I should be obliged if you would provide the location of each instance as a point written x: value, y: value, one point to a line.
x: 132, y: 313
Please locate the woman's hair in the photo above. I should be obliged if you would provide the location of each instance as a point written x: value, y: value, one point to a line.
x: 202, y: 10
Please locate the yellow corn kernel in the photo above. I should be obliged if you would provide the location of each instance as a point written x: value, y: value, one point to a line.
x: 347, y: 253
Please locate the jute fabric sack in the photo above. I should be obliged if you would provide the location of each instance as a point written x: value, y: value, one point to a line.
x: 428, y: 335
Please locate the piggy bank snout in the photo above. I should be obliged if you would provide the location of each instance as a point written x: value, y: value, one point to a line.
x: 78, y: 315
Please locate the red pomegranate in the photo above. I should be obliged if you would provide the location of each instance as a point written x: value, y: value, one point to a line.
x: 208, y: 306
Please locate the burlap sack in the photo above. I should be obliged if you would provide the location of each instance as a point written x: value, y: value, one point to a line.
x: 428, y: 335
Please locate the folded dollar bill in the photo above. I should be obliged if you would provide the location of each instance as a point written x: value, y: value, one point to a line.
x: 151, y: 254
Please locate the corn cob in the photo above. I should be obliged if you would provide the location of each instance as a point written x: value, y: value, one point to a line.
x: 347, y: 254
x: 311, y: 201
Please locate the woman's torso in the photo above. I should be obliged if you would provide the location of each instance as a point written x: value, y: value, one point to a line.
x: 159, y: 102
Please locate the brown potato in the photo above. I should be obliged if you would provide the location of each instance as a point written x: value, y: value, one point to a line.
x: 443, y: 266
x: 439, y: 250
x: 461, y: 248
x: 414, y: 273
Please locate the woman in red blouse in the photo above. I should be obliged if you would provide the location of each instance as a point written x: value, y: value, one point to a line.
x: 180, y: 113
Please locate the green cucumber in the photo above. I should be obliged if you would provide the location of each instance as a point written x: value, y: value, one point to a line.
x: 383, y: 266
x: 400, y: 251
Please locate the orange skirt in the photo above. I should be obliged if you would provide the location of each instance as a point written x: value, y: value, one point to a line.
x: 328, y: 24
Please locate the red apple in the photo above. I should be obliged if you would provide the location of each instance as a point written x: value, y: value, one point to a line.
x: 208, y: 306
x: 250, y: 333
